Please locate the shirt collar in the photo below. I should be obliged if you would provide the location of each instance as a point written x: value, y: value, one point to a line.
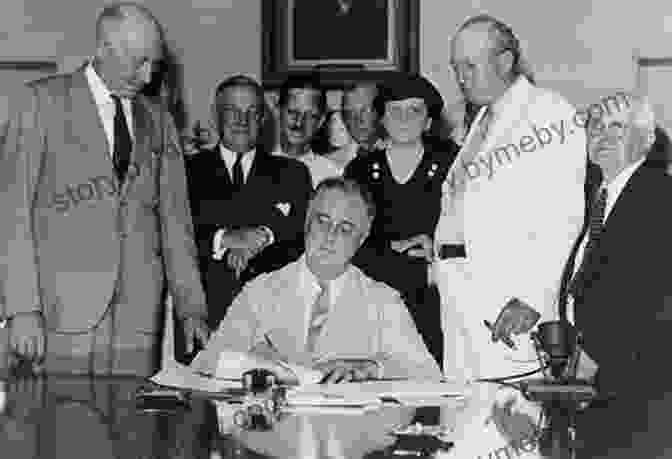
x: 278, y: 151
x: 101, y: 93
x: 230, y: 156
x: 615, y: 187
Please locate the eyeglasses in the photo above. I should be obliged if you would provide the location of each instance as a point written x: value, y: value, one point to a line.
x: 344, y: 229
x: 411, y: 112
x: 231, y: 114
x: 296, y: 115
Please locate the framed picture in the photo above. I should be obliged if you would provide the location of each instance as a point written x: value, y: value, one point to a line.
x: 344, y: 40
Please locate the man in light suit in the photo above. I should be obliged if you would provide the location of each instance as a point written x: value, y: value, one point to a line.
x: 512, y: 206
x: 322, y: 311
x: 95, y: 217
x: 615, y: 287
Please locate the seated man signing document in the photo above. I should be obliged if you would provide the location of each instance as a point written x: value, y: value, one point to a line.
x: 321, y: 311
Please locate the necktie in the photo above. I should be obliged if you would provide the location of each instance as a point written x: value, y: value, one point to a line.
x: 237, y: 172
x: 471, y: 148
x: 318, y: 317
x: 122, y: 140
x: 595, y: 229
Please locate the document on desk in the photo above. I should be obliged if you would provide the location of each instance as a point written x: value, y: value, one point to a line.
x: 330, y: 399
x: 404, y: 392
x: 183, y: 377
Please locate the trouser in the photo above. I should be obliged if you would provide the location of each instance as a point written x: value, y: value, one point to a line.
x: 110, y: 347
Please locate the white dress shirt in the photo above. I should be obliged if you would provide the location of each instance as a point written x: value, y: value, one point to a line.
x: 106, y: 106
x: 319, y: 166
x: 229, y: 157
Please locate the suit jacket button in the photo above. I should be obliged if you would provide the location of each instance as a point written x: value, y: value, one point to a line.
x: 123, y: 235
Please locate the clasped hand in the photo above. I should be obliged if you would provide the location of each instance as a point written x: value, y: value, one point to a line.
x: 419, y: 246
x: 242, y: 245
x: 516, y: 318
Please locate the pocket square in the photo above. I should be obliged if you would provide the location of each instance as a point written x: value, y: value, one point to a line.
x: 283, y: 207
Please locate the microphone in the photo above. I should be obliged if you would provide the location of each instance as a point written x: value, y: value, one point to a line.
x: 558, y: 341
x: 558, y: 347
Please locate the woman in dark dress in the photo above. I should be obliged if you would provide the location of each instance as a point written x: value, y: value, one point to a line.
x: 405, y: 178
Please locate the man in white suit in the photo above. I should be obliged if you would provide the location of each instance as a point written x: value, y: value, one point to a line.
x: 323, y: 312
x: 513, y: 205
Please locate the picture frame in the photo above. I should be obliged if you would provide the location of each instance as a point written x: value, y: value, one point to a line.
x: 343, y: 40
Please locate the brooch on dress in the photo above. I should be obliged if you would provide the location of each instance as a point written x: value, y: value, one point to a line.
x: 432, y: 170
x: 375, y: 174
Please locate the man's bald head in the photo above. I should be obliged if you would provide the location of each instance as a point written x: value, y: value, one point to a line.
x: 487, y: 58
x: 129, y: 46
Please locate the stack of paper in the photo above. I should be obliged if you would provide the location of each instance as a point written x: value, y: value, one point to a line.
x: 182, y: 377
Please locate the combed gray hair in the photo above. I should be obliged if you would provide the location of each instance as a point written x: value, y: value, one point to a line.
x: 119, y: 12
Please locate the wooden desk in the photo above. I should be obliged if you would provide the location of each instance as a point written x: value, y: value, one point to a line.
x: 79, y: 417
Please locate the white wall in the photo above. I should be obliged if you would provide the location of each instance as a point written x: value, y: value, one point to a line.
x: 582, y: 48
x: 213, y: 38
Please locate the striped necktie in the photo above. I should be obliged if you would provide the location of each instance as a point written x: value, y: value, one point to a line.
x: 318, y: 317
x: 595, y: 230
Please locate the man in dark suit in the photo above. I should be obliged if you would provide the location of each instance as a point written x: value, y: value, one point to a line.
x: 616, y: 287
x: 95, y: 216
x: 248, y: 206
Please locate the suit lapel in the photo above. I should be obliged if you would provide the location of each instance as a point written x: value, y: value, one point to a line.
x: 621, y: 213
x: 216, y: 168
x: 86, y: 129
x: 259, y: 167
x: 508, y: 121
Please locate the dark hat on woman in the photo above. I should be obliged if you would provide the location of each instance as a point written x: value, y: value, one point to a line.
x: 402, y: 86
